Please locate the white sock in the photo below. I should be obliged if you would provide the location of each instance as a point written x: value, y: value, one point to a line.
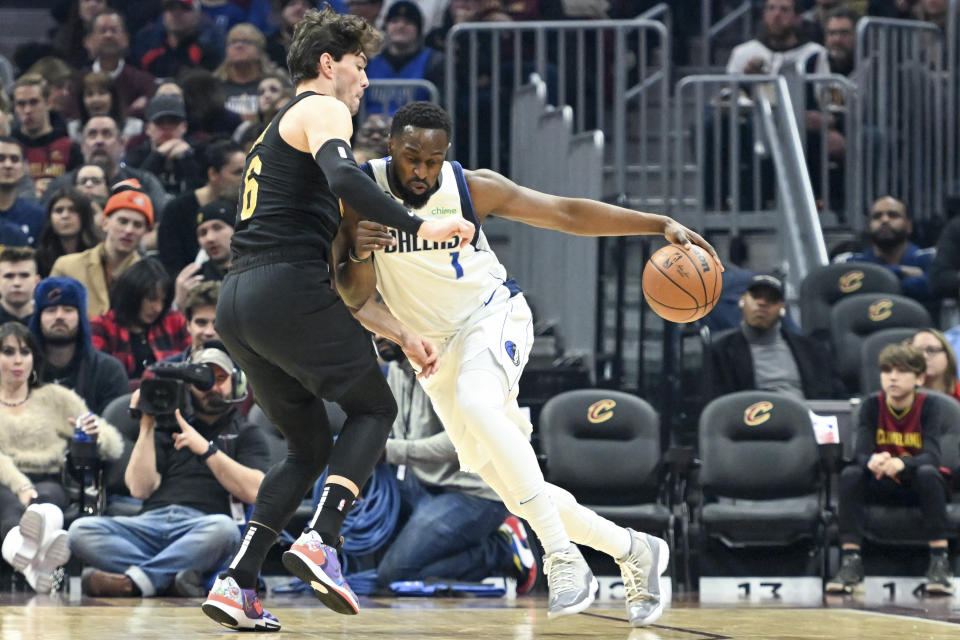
x: 588, y: 528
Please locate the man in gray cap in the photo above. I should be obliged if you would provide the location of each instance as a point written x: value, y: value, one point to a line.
x: 164, y: 152
x: 760, y: 354
x: 194, y: 481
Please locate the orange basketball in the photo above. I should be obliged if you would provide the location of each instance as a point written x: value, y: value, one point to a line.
x: 681, y: 285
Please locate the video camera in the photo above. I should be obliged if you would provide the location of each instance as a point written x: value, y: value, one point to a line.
x: 164, y: 392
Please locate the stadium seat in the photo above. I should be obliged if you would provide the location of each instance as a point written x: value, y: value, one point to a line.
x: 761, y: 482
x: 604, y: 447
x: 824, y: 286
x: 854, y: 318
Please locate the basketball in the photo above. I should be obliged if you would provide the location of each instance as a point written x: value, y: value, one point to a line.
x: 681, y: 285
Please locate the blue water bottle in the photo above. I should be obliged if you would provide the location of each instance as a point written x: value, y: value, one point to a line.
x: 79, y: 435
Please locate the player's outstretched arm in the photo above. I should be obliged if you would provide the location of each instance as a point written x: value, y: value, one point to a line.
x: 421, y: 352
x: 494, y: 194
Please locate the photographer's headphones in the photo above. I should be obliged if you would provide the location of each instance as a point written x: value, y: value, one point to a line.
x: 238, y: 378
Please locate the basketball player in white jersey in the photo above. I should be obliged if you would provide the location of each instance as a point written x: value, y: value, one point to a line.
x: 461, y: 299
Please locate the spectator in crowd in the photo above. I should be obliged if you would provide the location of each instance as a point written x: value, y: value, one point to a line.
x: 273, y: 92
x: 49, y: 151
x: 245, y: 64
x: 37, y: 422
x: 214, y: 230
x: 103, y: 145
x: 460, y: 11
x: 780, y: 45
x: 840, y: 32
x: 193, y: 487
x: 108, y: 44
x: 69, y: 38
x: 941, y: 372
x: 291, y: 12
x: 474, y: 542
x: 888, y: 232
x: 62, y: 331
x: 69, y: 229
x: 164, y: 152
x: 760, y: 354
x: 932, y: 11
x: 91, y: 180
x: 370, y: 140
x: 200, y: 309
x: 897, y: 462
x: 176, y: 236
x: 945, y: 269
x: 813, y: 21
x: 226, y: 14
x: 127, y: 217
x: 369, y: 10
x: 140, y: 328
x: 6, y: 72
x: 404, y: 57
x: 19, y: 218
x: 99, y: 96
x: 18, y: 278
x: 59, y: 77
x: 183, y: 39
x: 207, y: 116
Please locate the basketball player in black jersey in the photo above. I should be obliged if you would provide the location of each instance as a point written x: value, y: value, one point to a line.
x: 289, y: 331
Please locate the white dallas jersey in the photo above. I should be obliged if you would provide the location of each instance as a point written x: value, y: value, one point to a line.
x: 433, y: 287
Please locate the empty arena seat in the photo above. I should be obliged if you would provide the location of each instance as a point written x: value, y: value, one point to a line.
x: 760, y: 475
x: 824, y: 286
x: 604, y: 447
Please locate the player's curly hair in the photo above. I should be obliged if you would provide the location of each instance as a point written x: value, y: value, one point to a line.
x: 327, y: 31
x: 422, y: 115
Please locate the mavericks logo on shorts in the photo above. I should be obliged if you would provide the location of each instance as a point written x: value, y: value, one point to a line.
x: 512, y: 352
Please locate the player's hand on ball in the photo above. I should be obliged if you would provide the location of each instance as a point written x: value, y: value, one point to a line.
x: 443, y: 230
x: 372, y: 236
x: 679, y: 234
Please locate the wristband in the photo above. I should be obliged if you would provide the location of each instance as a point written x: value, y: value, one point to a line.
x: 212, y: 449
x: 357, y: 259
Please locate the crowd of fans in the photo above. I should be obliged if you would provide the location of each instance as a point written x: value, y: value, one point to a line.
x: 122, y: 147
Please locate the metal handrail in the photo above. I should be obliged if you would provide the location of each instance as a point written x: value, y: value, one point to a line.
x: 953, y: 93
x: 742, y: 12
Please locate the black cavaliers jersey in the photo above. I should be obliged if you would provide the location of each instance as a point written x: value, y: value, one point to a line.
x: 285, y: 198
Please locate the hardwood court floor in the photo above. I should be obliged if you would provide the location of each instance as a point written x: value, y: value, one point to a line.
x: 72, y: 618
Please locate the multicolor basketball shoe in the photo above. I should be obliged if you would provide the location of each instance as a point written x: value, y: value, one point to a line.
x: 237, y: 608
x: 317, y: 564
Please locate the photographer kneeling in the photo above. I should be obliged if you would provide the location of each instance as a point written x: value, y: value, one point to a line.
x: 194, y: 465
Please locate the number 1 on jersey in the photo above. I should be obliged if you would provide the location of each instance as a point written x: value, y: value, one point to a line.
x: 251, y: 188
x: 455, y: 261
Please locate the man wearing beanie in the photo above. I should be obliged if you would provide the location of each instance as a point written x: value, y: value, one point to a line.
x: 62, y: 331
x: 214, y: 231
x: 403, y: 58
x: 127, y: 216
x: 214, y: 228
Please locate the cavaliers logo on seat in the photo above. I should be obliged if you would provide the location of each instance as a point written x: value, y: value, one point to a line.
x: 757, y: 413
x: 850, y: 281
x: 600, y: 411
x: 880, y: 310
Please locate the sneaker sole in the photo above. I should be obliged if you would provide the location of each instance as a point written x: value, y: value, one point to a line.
x: 580, y: 606
x: 56, y: 554
x: 663, y: 561
x: 225, y: 616
x: 31, y: 529
x: 326, y: 591
x: 938, y: 589
x: 842, y: 590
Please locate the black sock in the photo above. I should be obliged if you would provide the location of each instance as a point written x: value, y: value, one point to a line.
x: 850, y: 552
x: 936, y: 552
x: 245, y: 567
x: 335, y: 503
